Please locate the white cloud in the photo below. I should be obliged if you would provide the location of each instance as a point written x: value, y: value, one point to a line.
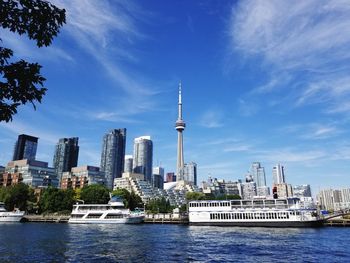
x: 304, y: 45
x: 213, y: 118
x: 106, y: 31
x: 25, y: 48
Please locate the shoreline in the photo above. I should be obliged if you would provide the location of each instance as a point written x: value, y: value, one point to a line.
x: 154, y: 220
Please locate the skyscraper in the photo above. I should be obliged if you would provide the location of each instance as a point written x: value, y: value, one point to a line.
x: 128, y: 164
x: 190, y: 173
x: 143, y: 156
x: 158, y: 177
x: 180, y: 127
x: 278, y: 174
x: 66, y: 155
x: 258, y: 173
x: 25, y: 147
x: 113, y: 154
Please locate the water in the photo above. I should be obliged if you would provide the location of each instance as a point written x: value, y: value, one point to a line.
x: 35, y: 242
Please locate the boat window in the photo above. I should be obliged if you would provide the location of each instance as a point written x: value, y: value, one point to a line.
x: 76, y: 216
x: 111, y: 216
x: 94, y: 215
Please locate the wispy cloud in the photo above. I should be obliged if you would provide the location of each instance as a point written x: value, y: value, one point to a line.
x: 107, y: 33
x: 213, y: 118
x: 20, y: 127
x: 313, y: 131
x: 304, y: 45
x: 25, y: 48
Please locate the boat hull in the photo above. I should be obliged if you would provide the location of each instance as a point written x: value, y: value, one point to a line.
x: 316, y: 223
x: 131, y: 220
x: 16, y: 217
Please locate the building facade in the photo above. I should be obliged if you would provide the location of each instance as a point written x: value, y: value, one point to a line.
x: 113, y: 154
x: 248, y: 190
x: 128, y: 164
x: 258, y: 173
x: 334, y: 199
x: 278, y: 174
x: 81, y: 176
x: 170, y: 177
x: 302, y: 190
x: 282, y: 190
x: 33, y: 173
x: 25, y: 147
x: 158, y: 177
x: 190, y: 173
x: 143, y: 157
x: 66, y: 155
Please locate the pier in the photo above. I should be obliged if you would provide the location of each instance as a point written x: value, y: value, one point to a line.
x: 166, y: 218
x: 46, y: 218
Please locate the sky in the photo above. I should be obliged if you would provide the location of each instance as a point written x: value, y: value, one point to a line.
x: 263, y: 81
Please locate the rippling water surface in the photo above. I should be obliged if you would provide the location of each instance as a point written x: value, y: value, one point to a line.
x: 34, y: 242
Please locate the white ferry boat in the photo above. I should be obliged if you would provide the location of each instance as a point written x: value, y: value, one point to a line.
x: 257, y: 212
x: 111, y: 213
x: 6, y: 216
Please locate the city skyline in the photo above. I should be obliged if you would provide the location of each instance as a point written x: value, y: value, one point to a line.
x: 257, y: 85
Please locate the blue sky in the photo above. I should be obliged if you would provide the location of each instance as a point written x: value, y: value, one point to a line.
x: 262, y: 81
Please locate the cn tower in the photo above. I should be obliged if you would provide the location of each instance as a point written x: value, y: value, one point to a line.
x: 180, y: 126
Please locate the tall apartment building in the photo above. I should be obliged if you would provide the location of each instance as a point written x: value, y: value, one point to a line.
x: 278, y: 174
x: 128, y: 163
x: 143, y: 157
x: 66, y: 155
x: 158, y: 177
x: 113, y: 154
x: 190, y: 173
x: 330, y: 199
x: 25, y: 147
x: 258, y: 173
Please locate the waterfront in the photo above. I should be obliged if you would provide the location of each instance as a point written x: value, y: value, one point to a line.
x: 39, y: 242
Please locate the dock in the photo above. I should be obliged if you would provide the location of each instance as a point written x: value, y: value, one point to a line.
x: 338, y: 222
x: 46, y: 218
x: 166, y: 218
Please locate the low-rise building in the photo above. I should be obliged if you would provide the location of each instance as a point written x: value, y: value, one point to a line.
x: 303, y: 190
x: 8, y: 179
x: 81, y: 176
x: 282, y: 190
x: 33, y: 173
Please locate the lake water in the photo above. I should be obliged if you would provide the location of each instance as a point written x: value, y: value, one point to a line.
x: 40, y: 242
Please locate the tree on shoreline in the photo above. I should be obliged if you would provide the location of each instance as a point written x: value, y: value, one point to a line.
x: 16, y: 196
x: 131, y: 200
x: 21, y: 81
x: 95, y: 194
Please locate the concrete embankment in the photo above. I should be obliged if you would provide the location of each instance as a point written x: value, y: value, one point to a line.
x: 150, y: 218
x: 166, y: 219
x: 338, y: 222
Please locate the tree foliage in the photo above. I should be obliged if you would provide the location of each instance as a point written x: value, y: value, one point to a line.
x: 131, y: 200
x: 190, y: 196
x: 21, y: 81
x: 56, y: 200
x: 16, y: 196
x: 95, y: 194
x: 159, y: 205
